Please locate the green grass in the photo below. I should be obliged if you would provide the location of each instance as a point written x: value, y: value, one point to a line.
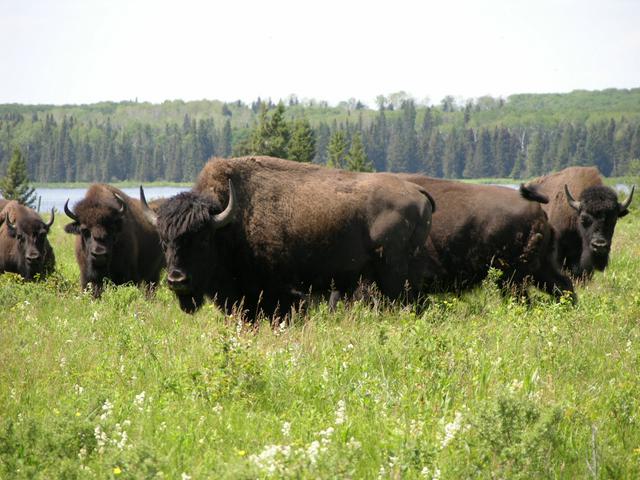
x: 478, y: 386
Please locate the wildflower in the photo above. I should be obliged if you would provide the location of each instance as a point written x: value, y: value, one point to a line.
x: 107, y: 409
x: 63, y: 363
x: 325, y: 375
x: 426, y: 473
x: 139, y: 401
x: 340, y: 412
x: 312, y: 451
x: 217, y: 409
x: 101, y: 438
x: 185, y: 476
x: 353, y: 444
x: 116, y: 470
x: 286, y: 429
x: 78, y: 389
x: 450, y: 429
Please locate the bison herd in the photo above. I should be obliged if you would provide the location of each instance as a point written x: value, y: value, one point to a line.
x: 262, y: 235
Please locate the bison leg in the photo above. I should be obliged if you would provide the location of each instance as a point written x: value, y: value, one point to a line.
x: 190, y: 303
x: 555, y: 283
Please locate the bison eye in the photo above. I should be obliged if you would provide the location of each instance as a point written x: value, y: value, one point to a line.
x: 85, y: 232
x: 586, y: 221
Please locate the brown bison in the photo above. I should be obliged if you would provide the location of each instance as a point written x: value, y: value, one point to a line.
x: 483, y: 226
x: 114, y: 240
x: 262, y: 231
x: 584, y: 227
x: 24, y: 247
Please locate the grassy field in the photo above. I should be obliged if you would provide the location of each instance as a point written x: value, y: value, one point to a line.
x: 478, y: 386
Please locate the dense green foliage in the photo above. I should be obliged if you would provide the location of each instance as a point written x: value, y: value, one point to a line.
x: 521, y: 136
x: 478, y: 386
x: 15, y: 184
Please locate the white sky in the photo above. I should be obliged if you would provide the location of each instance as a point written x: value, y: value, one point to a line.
x: 84, y: 51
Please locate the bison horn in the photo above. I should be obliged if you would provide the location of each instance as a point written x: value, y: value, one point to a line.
x: 572, y: 202
x: 69, y: 213
x: 8, y: 220
x: 224, y: 217
x: 624, y: 205
x: 121, y: 202
x: 53, y: 216
x: 148, y: 213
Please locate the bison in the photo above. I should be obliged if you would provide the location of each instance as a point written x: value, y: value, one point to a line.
x: 259, y: 231
x: 24, y: 247
x: 114, y: 240
x: 483, y: 226
x: 584, y: 227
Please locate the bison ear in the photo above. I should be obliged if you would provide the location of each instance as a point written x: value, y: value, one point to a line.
x: 11, y: 228
x: 72, y: 228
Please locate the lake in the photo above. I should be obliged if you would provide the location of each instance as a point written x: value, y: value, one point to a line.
x: 55, y: 197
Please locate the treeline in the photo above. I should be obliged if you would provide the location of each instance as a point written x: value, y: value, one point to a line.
x: 524, y: 135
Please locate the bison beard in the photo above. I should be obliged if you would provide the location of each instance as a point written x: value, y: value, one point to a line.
x: 290, y: 229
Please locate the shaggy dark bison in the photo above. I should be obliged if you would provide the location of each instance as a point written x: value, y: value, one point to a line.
x: 583, y: 212
x: 481, y: 226
x: 262, y: 232
x: 24, y: 247
x: 115, y: 240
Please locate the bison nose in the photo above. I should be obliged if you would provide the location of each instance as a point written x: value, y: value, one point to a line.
x: 33, y: 257
x: 599, y: 245
x: 177, y: 279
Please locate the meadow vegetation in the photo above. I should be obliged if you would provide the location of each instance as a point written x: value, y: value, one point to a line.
x: 483, y: 386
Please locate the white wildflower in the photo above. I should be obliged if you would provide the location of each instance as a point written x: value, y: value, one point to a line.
x: 217, y: 409
x: 138, y: 401
x: 353, y: 444
x: 450, y: 429
x: 79, y: 390
x: 326, y: 436
x: 82, y: 454
x: 107, y: 409
x: 426, y: 473
x: 416, y: 428
x: 313, y: 451
x: 286, y: 429
x: 185, y: 476
x: 325, y: 375
x: 341, y: 412
x: 271, y: 458
x: 101, y: 438
x: 63, y: 363
x: 163, y: 426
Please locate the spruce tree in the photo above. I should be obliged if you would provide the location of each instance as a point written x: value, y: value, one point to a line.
x: 15, y: 184
x: 356, y: 159
x: 272, y: 135
x: 302, y: 146
x: 336, y: 149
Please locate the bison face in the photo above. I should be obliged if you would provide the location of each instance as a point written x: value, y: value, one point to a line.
x: 30, y: 235
x: 99, y: 228
x: 187, y: 225
x: 598, y: 211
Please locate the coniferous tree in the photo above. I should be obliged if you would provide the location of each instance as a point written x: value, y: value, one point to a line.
x: 15, y: 184
x: 356, y: 159
x: 337, y: 149
x: 225, y: 144
x: 272, y: 135
x: 302, y: 146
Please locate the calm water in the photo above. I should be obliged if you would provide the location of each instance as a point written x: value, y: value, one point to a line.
x: 55, y: 197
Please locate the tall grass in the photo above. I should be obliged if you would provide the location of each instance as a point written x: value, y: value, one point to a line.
x: 478, y: 386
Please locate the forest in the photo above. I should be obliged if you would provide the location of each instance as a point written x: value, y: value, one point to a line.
x: 519, y: 136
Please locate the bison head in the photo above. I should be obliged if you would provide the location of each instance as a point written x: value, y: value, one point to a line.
x: 99, y: 225
x: 29, y: 233
x: 187, y: 225
x: 598, y: 211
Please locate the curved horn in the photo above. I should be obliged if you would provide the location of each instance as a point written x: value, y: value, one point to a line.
x: 8, y: 220
x: 69, y: 213
x: 148, y: 213
x: 224, y: 217
x: 624, y: 205
x: 121, y: 201
x: 53, y: 216
x: 572, y: 202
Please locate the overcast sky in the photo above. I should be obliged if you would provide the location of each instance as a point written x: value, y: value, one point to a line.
x: 84, y: 51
